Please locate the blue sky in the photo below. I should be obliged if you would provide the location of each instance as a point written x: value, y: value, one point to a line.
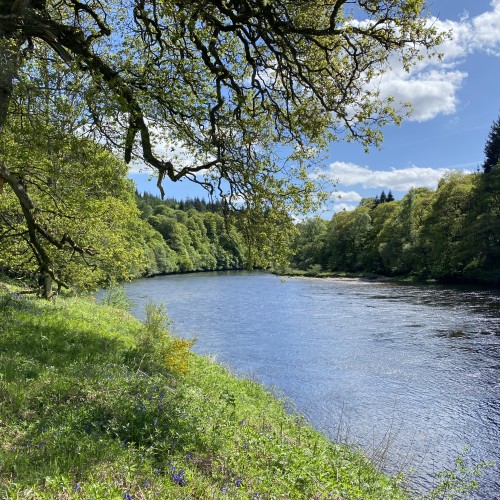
x: 454, y: 103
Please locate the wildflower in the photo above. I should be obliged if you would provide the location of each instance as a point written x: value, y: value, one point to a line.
x: 178, y: 478
x: 237, y: 482
x: 127, y: 496
x: 76, y: 487
x: 189, y: 455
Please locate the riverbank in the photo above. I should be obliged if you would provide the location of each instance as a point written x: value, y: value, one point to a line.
x: 95, y: 404
x: 492, y: 282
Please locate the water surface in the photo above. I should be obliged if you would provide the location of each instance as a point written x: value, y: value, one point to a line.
x: 412, y: 373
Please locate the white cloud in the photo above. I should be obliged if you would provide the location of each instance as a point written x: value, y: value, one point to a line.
x: 487, y: 29
x: 431, y: 86
x: 430, y: 94
x: 402, y: 179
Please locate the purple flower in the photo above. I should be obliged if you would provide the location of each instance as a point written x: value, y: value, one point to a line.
x: 178, y: 478
x: 237, y: 482
x: 127, y: 496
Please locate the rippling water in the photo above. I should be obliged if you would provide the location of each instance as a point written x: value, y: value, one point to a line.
x: 412, y: 373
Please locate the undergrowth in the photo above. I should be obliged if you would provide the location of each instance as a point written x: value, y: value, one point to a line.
x: 95, y: 404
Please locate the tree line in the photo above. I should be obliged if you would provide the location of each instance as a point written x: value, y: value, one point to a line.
x: 97, y: 230
x: 449, y: 234
x: 195, y: 236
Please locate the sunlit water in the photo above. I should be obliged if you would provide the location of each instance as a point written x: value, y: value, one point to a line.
x: 412, y: 373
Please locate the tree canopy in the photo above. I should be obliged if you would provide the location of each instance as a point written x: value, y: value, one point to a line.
x: 239, y: 96
x: 451, y: 234
x: 224, y: 82
x: 77, y: 226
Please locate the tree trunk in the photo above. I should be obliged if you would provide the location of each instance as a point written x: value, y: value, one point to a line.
x: 43, y: 258
x: 45, y: 283
x: 10, y: 59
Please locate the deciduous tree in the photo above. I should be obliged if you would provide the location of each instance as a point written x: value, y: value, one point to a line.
x: 77, y: 224
x: 235, y: 95
x: 224, y: 81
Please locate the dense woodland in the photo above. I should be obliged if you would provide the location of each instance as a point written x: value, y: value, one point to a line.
x: 74, y: 94
x: 450, y: 234
x: 195, y: 236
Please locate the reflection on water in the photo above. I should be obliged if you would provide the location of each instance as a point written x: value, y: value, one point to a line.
x: 411, y: 373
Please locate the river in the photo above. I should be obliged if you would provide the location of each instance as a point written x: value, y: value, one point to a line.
x: 411, y: 373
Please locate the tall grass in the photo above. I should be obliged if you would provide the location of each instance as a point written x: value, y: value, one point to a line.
x: 95, y: 404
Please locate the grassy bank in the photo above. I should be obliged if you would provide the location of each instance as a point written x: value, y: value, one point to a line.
x: 95, y: 404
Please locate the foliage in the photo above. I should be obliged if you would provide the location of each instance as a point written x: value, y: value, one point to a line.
x: 240, y: 98
x: 157, y: 348
x: 114, y: 296
x: 78, y: 419
x: 450, y: 234
x: 198, y: 238
x: 459, y: 481
x: 81, y: 226
x: 307, y: 247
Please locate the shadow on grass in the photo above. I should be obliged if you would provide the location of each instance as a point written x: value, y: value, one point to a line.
x: 35, y: 336
x: 73, y: 399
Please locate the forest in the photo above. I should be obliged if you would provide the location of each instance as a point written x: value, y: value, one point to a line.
x: 451, y: 234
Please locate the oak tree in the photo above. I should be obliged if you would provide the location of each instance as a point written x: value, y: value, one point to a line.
x: 238, y: 96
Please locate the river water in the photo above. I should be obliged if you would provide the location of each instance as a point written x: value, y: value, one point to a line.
x: 411, y: 373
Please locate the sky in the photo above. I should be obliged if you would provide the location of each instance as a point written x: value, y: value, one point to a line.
x: 454, y: 101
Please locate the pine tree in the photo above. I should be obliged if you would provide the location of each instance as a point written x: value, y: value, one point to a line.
x: 390, y: 197
x: 492, y: 147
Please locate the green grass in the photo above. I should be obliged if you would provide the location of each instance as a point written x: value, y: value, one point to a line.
x: 91, y: 407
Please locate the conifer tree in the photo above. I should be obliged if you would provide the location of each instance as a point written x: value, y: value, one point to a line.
x: 492, y: 147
